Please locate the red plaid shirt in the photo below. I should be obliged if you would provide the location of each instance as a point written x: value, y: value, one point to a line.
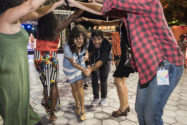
x: 150, y: 36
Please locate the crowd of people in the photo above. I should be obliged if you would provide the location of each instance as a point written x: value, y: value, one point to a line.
x: 147, y: 46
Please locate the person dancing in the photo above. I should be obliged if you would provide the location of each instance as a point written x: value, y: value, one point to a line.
x: 45, y: 58
x: 122, y: 72
x: 74, y: 66
x: 14, y: 72
x: 157, y: 58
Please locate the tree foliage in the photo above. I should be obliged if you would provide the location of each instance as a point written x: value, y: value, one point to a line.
x: 175, y: 11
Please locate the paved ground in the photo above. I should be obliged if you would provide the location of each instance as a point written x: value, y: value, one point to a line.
x: 175, y: 112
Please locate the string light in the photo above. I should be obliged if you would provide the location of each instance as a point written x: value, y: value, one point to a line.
x: 28, y: 26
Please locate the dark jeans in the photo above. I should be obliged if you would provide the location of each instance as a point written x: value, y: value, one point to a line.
x: 102, y: 74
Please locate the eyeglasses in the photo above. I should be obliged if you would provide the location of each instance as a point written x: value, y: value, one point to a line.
x: 80, y: 38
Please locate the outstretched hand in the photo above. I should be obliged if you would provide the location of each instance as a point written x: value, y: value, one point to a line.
x: 71, y: 3
x: 80, y: 19
x: 85, y: 58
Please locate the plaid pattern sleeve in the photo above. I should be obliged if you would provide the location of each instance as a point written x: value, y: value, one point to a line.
x: 150, y: 36
x: 133, y: 6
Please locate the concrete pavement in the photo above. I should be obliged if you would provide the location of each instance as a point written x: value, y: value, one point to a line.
x: 175, y: 112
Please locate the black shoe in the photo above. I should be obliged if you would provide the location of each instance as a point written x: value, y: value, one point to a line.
x: 85, y: 86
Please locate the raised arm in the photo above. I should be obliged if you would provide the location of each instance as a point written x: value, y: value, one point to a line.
x: 64, y: 23
x: 100, y: 22
x: 14, y: 14
x: 142, y: 7
x: 93, y: 8
x: 42, y: 11
x: 98, y: 1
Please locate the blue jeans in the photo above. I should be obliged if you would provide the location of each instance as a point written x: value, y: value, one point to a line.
x: 150, y: 101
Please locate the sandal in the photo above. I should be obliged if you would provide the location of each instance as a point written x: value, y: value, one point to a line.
x: 120, y: 113
x: 128, y: 109
x: 77, y: 111
x: 43, y: 102
x: 52, y: 118
x: 45, y: 105
x: 83, y: 116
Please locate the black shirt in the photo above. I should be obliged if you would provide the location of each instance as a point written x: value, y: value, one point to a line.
x: 103, y: 53
x: 123, y: 42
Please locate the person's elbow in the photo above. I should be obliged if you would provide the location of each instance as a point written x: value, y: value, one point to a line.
x: 102, y: 61
x: 98, y: 13
x: 32, y: 6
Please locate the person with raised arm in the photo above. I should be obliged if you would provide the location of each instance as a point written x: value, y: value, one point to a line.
x: 14, y: 71
x: 45, y: 58
x: 155, y: 54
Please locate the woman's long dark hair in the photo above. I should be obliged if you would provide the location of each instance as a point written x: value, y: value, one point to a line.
x: 7, y: 4
x: 74, y: 33
x: 47, y: 26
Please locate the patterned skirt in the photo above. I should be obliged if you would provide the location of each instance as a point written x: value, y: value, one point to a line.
x: 46, y: 64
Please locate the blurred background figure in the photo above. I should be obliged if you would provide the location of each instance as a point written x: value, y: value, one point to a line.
x: 32, y: 42
x: 182, y: 45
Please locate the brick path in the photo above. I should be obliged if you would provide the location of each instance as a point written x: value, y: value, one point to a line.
x: 175, y: 112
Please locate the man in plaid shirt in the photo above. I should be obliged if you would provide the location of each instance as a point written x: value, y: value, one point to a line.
x: 156, y: 55
x: 153, y: 47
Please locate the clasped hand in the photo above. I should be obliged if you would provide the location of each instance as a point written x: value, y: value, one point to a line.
x: 87, y: 71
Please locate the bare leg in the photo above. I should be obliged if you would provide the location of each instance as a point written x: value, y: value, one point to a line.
x: 117, y: 62
x: 80, y: 90
x: 46, y: 98
x: 184, y: 52
x: 54, y: 97
x: 122, y: 92
x: 75, y: 94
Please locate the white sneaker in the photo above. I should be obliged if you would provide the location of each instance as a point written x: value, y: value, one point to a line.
x: 103, y: 102
x: 95, y: 102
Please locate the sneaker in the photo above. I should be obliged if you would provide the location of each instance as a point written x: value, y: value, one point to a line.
x: 95, y: 102
x: 91, y: 108
x: 103, y: 102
